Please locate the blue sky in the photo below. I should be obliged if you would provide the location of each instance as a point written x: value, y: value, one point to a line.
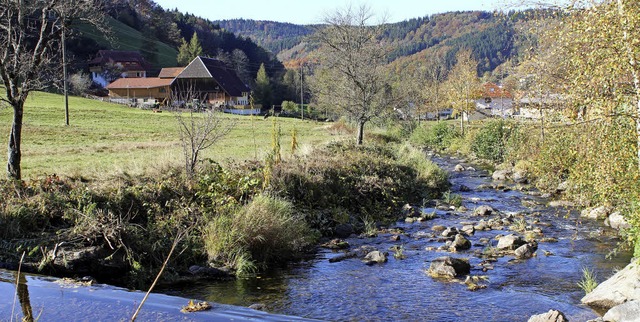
x: 312, y: 11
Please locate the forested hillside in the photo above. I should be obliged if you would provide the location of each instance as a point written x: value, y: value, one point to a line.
x: 157, y: 33
x: 490, y: 37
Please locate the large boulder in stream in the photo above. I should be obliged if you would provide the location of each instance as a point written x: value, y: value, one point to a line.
x: 601, y: 212
x: 483, y: 210
x: 375, y: 257
x: 510, y: 242
x: 622, y: 287
x: 460, y: 243
x: 527, y: 250
x: 449, y: 267
x: 501, y: 175
x: 551, y: 316
x: 617, y: 221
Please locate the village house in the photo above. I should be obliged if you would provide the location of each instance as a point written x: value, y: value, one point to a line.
x: 109, y: 65
x: 497, y: 100
x: 494, y: 102
x: 204, y: 80
x: 210, y: 80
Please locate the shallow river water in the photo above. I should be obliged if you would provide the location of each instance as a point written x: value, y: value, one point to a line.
x: 398, y: 290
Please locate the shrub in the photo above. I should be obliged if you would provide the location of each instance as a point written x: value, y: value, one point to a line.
x: 490, y: 142
x: 265, y: 230
x: 438, y: 136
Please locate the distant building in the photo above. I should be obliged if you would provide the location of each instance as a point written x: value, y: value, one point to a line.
x: 495, y: 101
x: 109, y: 65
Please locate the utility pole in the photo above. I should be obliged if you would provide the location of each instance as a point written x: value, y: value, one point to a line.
x: 301, y: 93
x: 64, y: 72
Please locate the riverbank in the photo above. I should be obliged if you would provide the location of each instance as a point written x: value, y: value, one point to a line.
x: 121, y: 230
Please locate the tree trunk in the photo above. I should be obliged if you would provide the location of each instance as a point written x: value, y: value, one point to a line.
x: 360, y: 132
x: 14, y: 154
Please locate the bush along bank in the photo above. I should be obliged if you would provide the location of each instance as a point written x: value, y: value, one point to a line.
x: 238, y: 218
x: 593, y: 165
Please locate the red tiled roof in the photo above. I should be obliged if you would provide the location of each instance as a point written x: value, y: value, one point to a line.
x: 170, y: 72
x: 494, y: 91
x: 150, y: 82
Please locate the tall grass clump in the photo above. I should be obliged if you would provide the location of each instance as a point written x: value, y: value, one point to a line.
x: 427, y: 171
x: 437, y: 136
x: 265, y: 230
x: 588, y: 282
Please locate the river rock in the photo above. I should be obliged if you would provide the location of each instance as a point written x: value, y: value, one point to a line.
x: 449, y: 267
x: 622, y: 287
x: 562, y: 186
x: 458, y: 168
x: 438, y: 228
x: 343, y: 230
x: 89, y: 260
x: 501, y: 175
x: 336, y: 244
x: 511, y: 242
x: 483, y: 210
x: 520, y: 176
x: 526, y: 250
x: 551, y: 316
x: 460, y: 243
x: 617, y: 221
x: 561, y: 203
x: 258, y: 306
x: 601, y: 212
x: 468, y: 229
x: 625, y: 312
x: 450, y: 232
x: 411, y: 211
x: 342, y: 257
x: 375, y: 257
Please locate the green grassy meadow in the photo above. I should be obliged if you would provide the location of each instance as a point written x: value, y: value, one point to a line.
x: 105, y: 139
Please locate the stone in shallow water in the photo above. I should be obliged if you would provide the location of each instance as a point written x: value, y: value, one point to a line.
x: 375, y: 257
x: 449, y: 267
x: 511, y: 242
x: 551, y: 316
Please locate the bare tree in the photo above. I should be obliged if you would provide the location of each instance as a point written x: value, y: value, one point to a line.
x: 352, y: 74
x: 30, y: 33
x: 200, y: 127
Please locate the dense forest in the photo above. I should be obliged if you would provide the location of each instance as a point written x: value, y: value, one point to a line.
x: 490, y: 37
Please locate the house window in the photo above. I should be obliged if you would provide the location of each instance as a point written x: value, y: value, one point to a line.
x: 162, y: 90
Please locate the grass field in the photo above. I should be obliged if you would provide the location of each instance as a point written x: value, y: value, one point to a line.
x: 105, y: 139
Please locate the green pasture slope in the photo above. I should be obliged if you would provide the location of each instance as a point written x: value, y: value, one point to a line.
x: 105, y: 139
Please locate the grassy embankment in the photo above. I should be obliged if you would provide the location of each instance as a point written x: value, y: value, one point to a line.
x: 120, y: 189
x: 104, y: 139
x: 596, y: 160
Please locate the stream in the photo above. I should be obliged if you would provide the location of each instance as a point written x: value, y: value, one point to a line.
x: 398, y: 290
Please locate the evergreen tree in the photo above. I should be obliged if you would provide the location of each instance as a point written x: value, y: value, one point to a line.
x: 262, y: 92
x: 189, y: 51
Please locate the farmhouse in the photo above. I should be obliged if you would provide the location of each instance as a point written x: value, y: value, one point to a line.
x: 129, y: 90
x: 206, y: 80
x: 110, y: 65
x: 211, y: 81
